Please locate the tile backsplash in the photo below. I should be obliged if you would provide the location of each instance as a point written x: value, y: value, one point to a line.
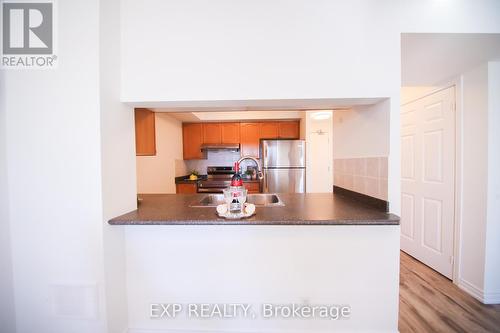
x: 181, y: 168
x: 366, y: 175
x: 214, y: 158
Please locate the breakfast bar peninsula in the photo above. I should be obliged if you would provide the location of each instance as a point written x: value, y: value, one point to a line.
x: 299, y: 250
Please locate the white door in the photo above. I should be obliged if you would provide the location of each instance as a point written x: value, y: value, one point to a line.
x: 319, y: 152
x: 428, y: 179
x: 319, y: 174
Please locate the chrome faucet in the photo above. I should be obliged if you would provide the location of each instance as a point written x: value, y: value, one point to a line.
x: 248, y: 157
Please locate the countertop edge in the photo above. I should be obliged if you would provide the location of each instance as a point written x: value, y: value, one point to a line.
x: 175, y: 209
x: 393, y: 220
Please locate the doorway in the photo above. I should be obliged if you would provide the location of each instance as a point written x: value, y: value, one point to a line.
x: 428, y: 179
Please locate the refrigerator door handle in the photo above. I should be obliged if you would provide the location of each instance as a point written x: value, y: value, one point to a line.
x: 266, y: 184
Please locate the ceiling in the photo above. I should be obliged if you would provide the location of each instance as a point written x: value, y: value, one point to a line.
x: 256, y: 105
x: 429, y: 59
x: 235, y: 115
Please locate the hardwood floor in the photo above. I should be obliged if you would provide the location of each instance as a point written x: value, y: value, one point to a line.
x: 429, y: 302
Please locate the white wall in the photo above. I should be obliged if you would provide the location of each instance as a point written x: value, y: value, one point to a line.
x: 361, y: 149
x: 480, y: 241
x: 156, y: 174
x: 7, y: 307
x: 262, y: 50
x: 54, y: 167
x: 59, y: 193
x: 362, y: 131
x: 118, y: 166
x: 474, y: 176
x: 264, y: 264
x: 492, y: 252
x: 258, y: 50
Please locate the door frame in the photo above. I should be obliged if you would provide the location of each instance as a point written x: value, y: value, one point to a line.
x: 458, y: 163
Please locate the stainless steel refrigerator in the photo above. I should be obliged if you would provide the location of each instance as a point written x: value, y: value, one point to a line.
x: 284, y: 166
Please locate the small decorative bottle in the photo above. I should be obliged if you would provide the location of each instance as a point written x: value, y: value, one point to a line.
x: 236, y: 190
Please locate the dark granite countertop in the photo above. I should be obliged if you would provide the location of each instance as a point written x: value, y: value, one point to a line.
x: 299, y: 209
x: 186, y: 180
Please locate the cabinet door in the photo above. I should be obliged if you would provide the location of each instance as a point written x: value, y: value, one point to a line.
x: 192, y: 138
x: 145, y: 142
x: 211, y: 133
x: 289, y: 130
x: 186, y: 188
x: 250, y: 136
x: 230, y: 132
x: 269, y: 130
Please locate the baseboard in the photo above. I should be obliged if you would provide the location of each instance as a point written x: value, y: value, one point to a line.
x: 185, y: 331
x: 492, y: 298
x: 199, y: 331
x: 478, y: 293
x: 242, y: 331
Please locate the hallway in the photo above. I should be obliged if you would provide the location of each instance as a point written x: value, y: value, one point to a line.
x: 429, y: 302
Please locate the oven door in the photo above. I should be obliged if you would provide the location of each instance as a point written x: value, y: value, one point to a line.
x: 211, y: 186
x: 209, y: 190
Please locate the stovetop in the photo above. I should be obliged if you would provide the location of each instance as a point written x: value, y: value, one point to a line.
x: 218, y: 178
x: 220, y: 172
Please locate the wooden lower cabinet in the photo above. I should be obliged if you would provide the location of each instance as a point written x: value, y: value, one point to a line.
x: 186, y: 188
x: 252, y: 187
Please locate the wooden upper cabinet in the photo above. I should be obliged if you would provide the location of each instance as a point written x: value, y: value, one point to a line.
x: 269, y: 130
x: 145, y: 141
x: 192, y: 139
x: 247, y: 134
x: 230, y: 132
x: 250, y: 136
x: 289, y: 130
x: 212, y: 133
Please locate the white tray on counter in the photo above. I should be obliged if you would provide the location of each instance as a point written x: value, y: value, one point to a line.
x: 230, y: 216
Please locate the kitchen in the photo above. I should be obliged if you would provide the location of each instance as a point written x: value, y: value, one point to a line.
x: 210, y: 149
x: 309, y: 213
x: 79, y: 252
x: 171, y: 145
x: 221, y: 142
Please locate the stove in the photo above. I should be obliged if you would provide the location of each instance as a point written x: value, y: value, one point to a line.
x: 218, y: 178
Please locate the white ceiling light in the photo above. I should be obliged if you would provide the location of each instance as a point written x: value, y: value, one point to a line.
x: 321, y: 115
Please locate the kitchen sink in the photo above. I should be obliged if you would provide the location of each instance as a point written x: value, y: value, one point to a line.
x: 259, y: 200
